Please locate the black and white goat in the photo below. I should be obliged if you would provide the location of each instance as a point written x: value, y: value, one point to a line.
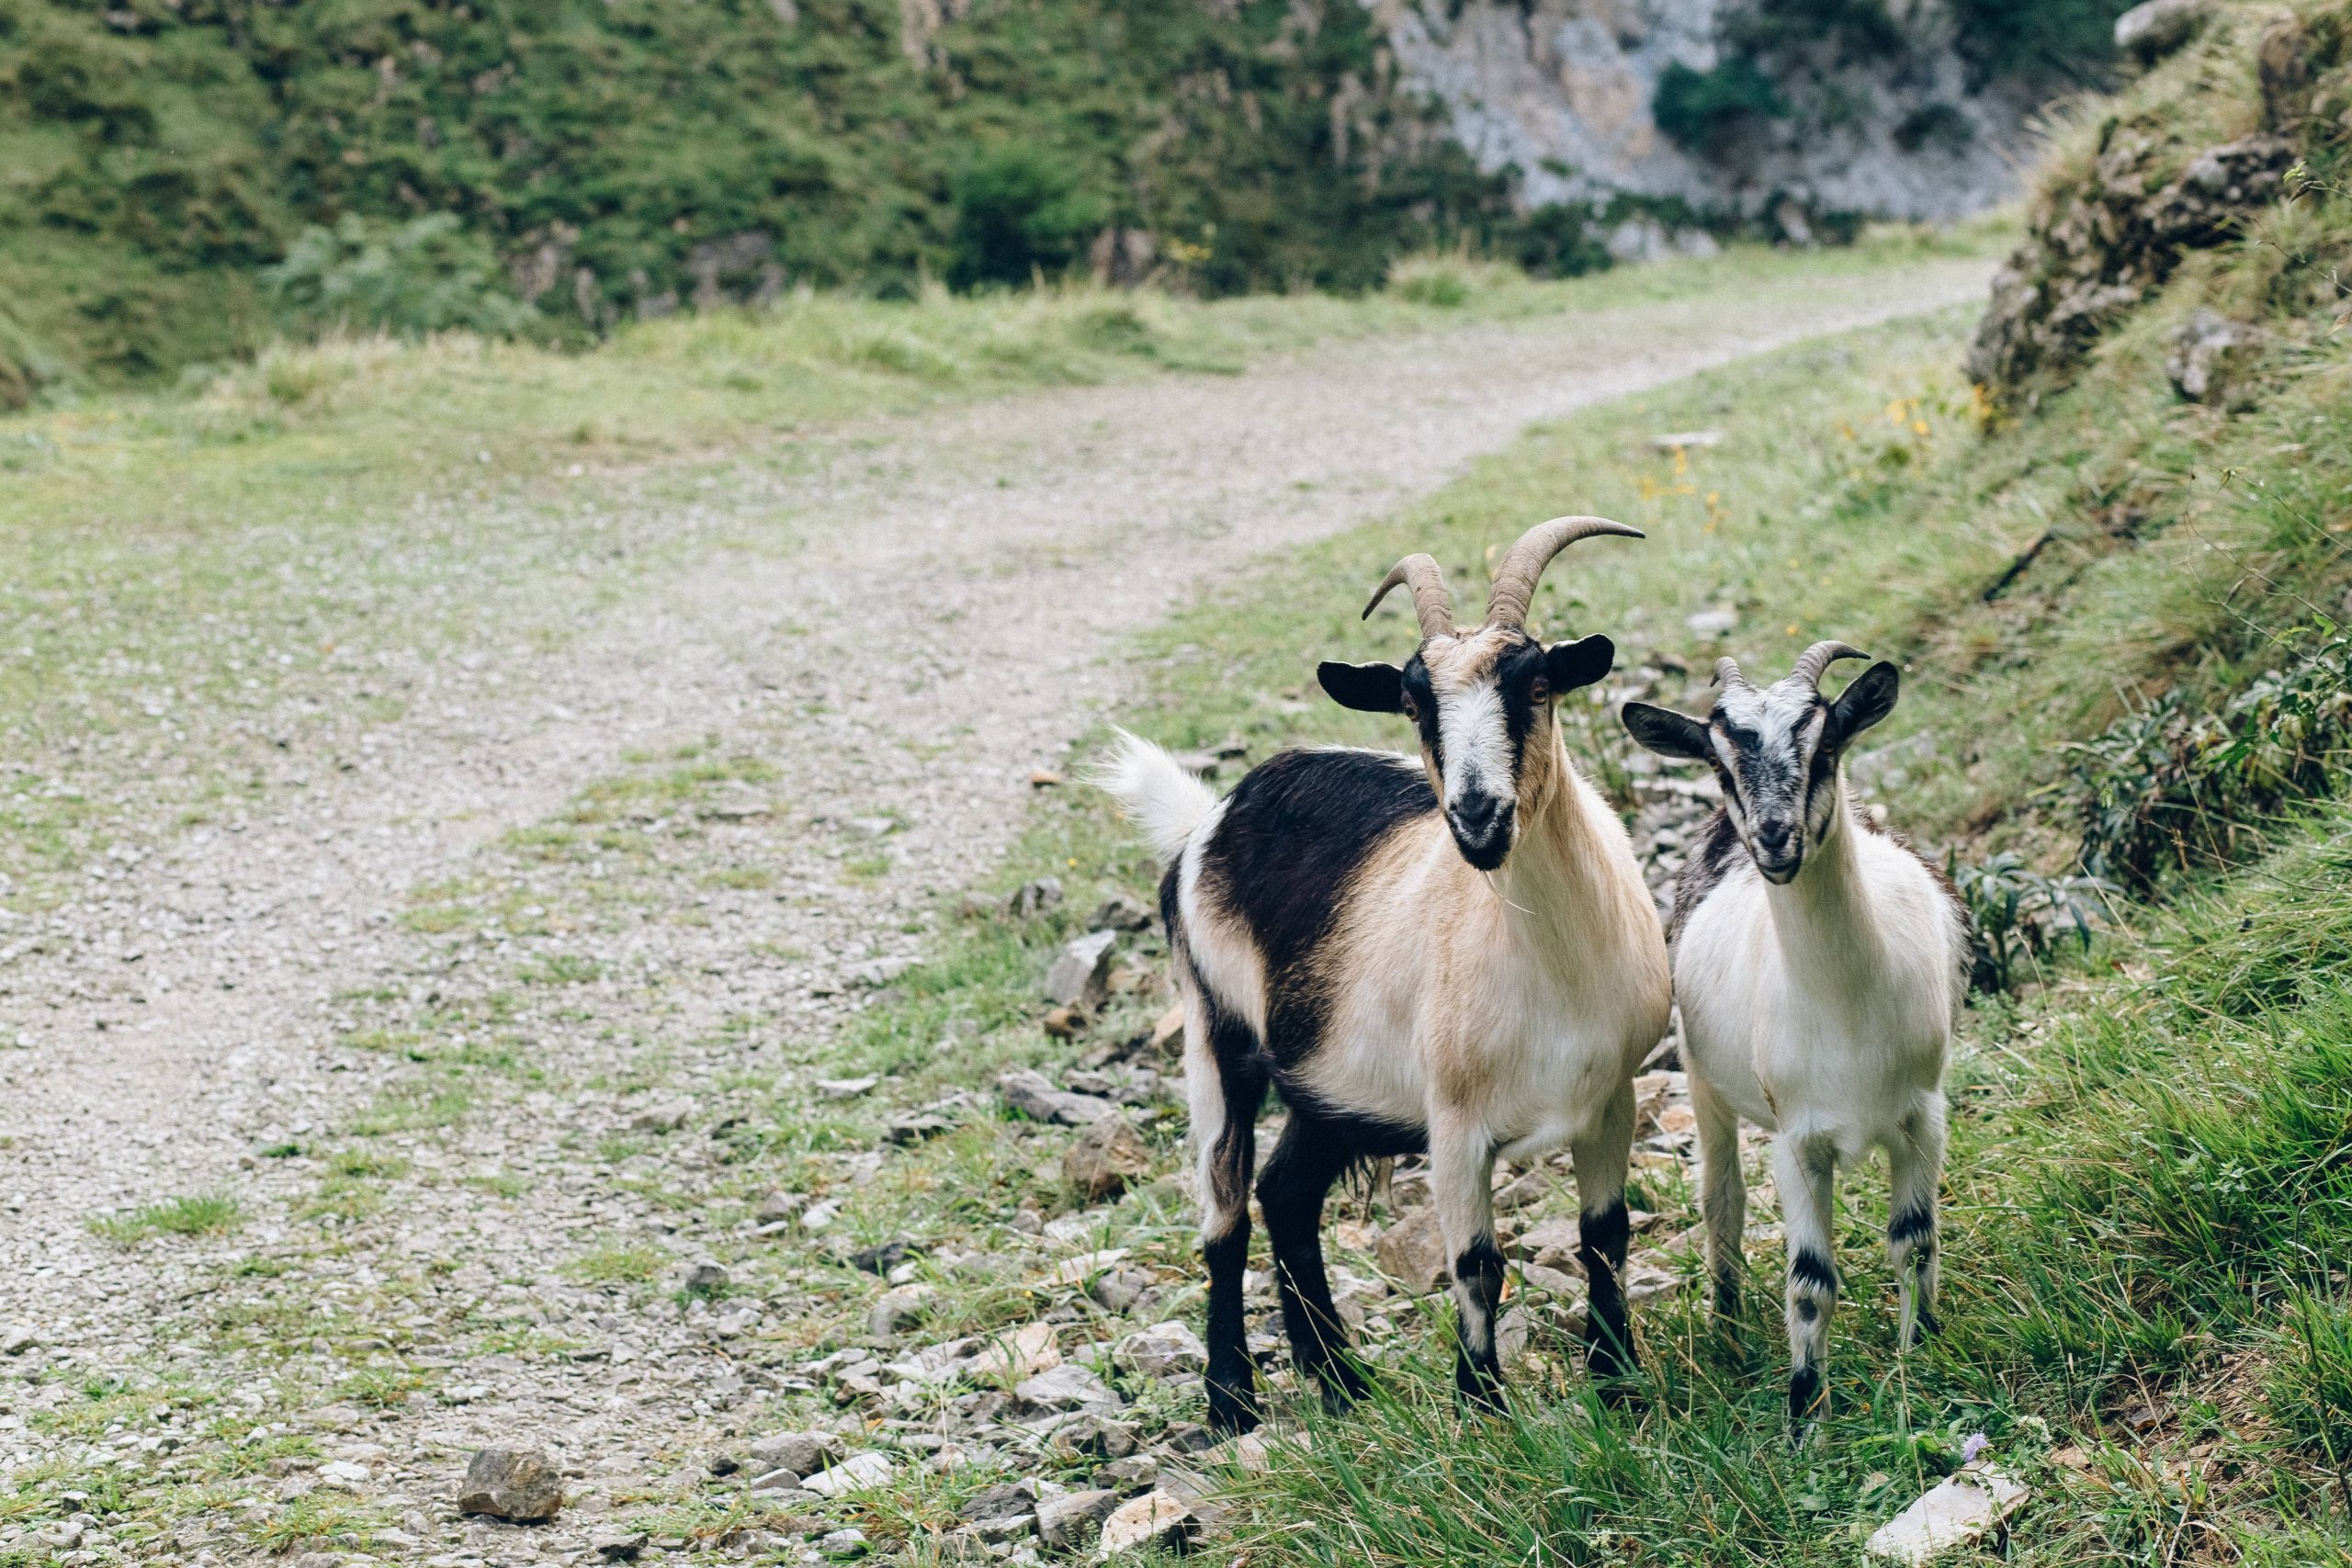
x: 1455, y: 955
x: 1818, y: 965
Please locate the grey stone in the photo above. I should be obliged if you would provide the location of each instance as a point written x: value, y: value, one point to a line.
x: 1034, y: 898
x: 1120, y: 913
x: 855, y: 1473
x: 15, y: 1341
x: 1163, y: 1350
x: 2210, y: 354
x: 520, y: 1485
x: 1412, y: 1253
x: 2155, y: 28
x: 1081, y: 975
x: 1071, y: 1523
x: 776, y: 1481
x: 1106, y: 1157
x: 1009, y: 1500
x: 707, y: 1277
x: 1066, y: 1387
x: 1033, y: 1095
x: 896, y: 1310
x: 803, y: 1452
x: 1154, y: 1519
x: 1116, y: 1290
x: 618, y: 1546
x: 778, y: 1207
x: 667, y: 1116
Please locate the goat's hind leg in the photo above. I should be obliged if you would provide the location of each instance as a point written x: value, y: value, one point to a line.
x: 1915, y: 1162
x: 1227, y: 1084
x: 1291, y: 1190
x: 1722, y: 1196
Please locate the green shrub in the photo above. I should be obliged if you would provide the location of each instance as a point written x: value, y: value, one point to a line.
x: 1701, y: 110
x: 1020, y: 211
x: 2165, y: 788
x: 2016, y: 915
x: 427, y: 274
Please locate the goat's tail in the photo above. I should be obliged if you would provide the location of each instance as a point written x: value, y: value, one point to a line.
x: 1160, y: 796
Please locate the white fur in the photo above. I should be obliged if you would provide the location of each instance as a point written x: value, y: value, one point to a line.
x: 1822, y: 1011
x: 1164, y: 800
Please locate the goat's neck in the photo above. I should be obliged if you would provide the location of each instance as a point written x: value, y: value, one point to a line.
x: 1824, y: 919
x: 1559, y: 886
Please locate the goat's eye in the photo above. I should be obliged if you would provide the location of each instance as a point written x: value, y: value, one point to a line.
x: 1412, y: 710
x: 1539, y: 690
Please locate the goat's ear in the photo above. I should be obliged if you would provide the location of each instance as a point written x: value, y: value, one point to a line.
x: 1367, y: 688
x: 1863, y: 704
x: 1568, y: 665
x: 1667, y: 732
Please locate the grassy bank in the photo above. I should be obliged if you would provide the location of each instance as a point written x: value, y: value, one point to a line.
x: 2147, y: 1204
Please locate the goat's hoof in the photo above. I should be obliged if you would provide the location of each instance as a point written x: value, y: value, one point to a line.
x: 1807, y: 1398
x: 1232, y: 1413
x: 1341, y: 1384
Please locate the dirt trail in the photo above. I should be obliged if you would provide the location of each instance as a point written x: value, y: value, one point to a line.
x: 950, y: 623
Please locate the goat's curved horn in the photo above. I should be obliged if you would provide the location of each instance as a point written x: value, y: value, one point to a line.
x: 1514, y: 588
x: 1431, y: 602
x: 1814, y: 661
x: 1727, y: 673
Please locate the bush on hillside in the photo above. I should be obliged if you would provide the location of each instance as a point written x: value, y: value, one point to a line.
x: 2165, y: 789
x: 424, y: 276
x: 1020, y: 211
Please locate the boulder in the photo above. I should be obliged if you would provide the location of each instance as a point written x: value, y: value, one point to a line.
x: 1120, y: 913
x: 1106, y: 1156
x: 519, y: 1485
x: 1031, y: 899
x: 667, y: 1116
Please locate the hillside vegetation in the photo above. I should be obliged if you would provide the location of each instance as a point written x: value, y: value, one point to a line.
x: 179, y: 180
x: 595, y: 160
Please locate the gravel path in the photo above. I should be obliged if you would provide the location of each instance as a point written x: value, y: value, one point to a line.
x: 950, y: 619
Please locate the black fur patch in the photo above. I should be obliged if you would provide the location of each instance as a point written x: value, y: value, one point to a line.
x: 1718, y: 854
x: 1294, y: 834
x: 1480, y: 1268
x: 1809, y: 1267
x: 1806, y: 1311
x: 1604, y: 1233
x: 1911, y: 1225
x: 1805, y: 1388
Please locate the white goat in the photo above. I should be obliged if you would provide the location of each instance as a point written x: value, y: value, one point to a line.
x: 1818, y: 973
x: 1457, y: 955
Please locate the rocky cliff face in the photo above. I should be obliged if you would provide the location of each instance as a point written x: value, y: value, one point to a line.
x: 1735, y: 110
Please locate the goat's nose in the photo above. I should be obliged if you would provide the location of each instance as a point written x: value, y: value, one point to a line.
x: 1772, y: 836
x: 1476, y: 814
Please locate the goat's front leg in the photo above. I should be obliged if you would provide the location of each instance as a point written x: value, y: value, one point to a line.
x: 1806, y: 1172
x: 1462, y: 1168
x: 1604, y: 1232
x: 1723, y: 1194
x: 1915, y: 1159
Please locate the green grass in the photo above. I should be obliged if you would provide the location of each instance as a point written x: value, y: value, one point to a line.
x: 2148, y: 1192
x: 211, y: 1213
x: 220, y: 592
